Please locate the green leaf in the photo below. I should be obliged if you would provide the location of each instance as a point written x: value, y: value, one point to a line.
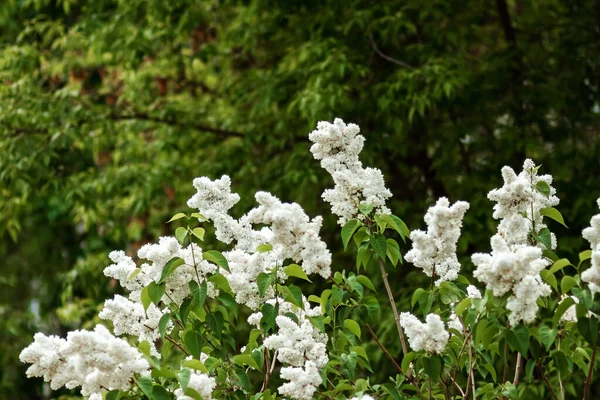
x: 184, y: 378
x: 295, y: 296
x: 379, y: 244
x: 585, y: 255
x: 134, y: 273
x: 363, y: 280
x: 163, y: 323
x: 263, y: 281
x: 145, y: 298
x: 217, y: 258
x: 563, y: 306
x: 193, y: 342
x: 113, y: 395
x: 402, y: 228
x: 352, y: 326
x: 365, y: 209
x: 269, y: 313
x: 567, y: 283
x: 193, y: 394
x: 181, y: 234
x: 547, y: 336
x: 407, y: 359
x: 296, y: 271
x: 420, y: 292
x: 195, y: 364
x: 245, y: 359
x: 433, y: 367
x: 199, y: 233
x: 160, y: 393
x: 348, y: 230
x: 549, y: 278
x: 198, y: 292
x: 221, y: 282
x: 170, y: 267
x: 521, y: 334
x: 545, y: 238
x: 199, y: 216
x: 554, y: 214
x: 543, y: 188
x: 588, y: 327
x: 145, y: 383
x: 185, y: 308
x: 529, y: 368
x: 156, y: 291
x: 560, y: 264
x: 265, y: 247
x: 144, y: 347
x: 176, y: 217
x: 393, y: 252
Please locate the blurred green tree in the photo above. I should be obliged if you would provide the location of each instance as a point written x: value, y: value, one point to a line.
x: 109, y: 108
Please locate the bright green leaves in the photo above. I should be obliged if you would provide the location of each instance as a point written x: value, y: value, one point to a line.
x: 263, y: 281
x: 547, y: 336
x: 545, y: 238
x: 348, y: 230
x: 177, y: 216
x: 554, y: 214
x: 296, y: 271
x: 162, y: 324
x: 193, y: 341
x: 245, y: 359
x: 379, y: 244
x: 567, y: 283
x: 265, y: 247
x: 353, y: 327
x: 198, y: 292
x: 181, y: 233
x: 518, y: 338
x: 170, y: 267
x: 198, y: 232
x: 217, y: 258
x: 152, y: 293
x: 433, y: 366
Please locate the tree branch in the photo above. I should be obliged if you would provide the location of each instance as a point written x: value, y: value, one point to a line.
x: 388, y: 58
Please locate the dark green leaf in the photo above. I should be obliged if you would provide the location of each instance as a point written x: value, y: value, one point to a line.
x: 348, y: 230
x: 193, y: 341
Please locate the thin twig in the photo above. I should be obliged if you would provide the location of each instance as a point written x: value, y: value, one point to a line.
x: 471, y: 367
x: 517, y: 370
x: 545, y: 378
x: 457, y: 385
x: 393, y: 304
x: 388, y: 58
x: 588, y: 381
x: 177, y: 344
x: 387, y: 354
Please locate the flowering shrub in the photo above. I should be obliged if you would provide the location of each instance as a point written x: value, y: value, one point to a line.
x: 533, y: 332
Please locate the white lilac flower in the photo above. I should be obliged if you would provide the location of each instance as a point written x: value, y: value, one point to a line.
x: 297, y: 343
x: 203, y: 384
x: 434, y: 251
x: 122, y: 269
x: 93, y: 360
x: 293, y: 233
x: 592, y: 235
x: 338, y: 146
x: 129, y: 318
x: 571, y: 314
x: 513, y: 269
x: 362, y: 397
x: 303, y: 381
x: 473, y: 292
x: 430, y: 336
x: 518, y: 203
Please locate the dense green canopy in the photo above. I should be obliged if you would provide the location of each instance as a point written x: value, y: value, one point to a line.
x: 109, y: 109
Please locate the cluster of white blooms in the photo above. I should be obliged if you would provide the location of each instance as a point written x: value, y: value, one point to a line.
x: 473, y: 292
x: 293, y: 233
x: 297, y: 343
x: 571, y: 314
x: 592, y: 235
x: 289, y: 231
x: 94, y: 360
x: 303, y: 381
x: 338, y: 146
x: 128, y: 315
x: 519, y: 203
x: 129, y: 318
x: 203, y: 384
x: 362, y: 397
x: 430, y: 336
x: 434, y: 251
x: 513, y: 268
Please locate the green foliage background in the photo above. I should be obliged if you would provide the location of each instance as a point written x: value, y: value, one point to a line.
x: 109, y: 109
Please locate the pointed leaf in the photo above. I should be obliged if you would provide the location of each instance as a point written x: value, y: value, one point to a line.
x: 193, y: 342
x: 180, y: 234
x: 176, y: 217
x: 156, y: 291
x: 296, y: 271
x: 199, y: 233
x: 353, y: 327
x: 217, y: 258
x: 554, y: 214
x: 263, y: 281
x: 379, y: 244
x: 348, y: 230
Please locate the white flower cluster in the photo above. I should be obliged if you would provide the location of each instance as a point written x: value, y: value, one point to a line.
x: 519, y: 203
x: 571, y: 314
x: 289, y: 231
x: 517, y: 269
x: 203, y: 384
x: 362, y: 397
x: 434, y: 251
x: 430, y: 336
x: 338, y: 146
x: 592, y: 235
x: 128, y: 315
x: 129, y: 318
x: 93, y: 360
x: 473, y: 292
x: 303, y: 381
